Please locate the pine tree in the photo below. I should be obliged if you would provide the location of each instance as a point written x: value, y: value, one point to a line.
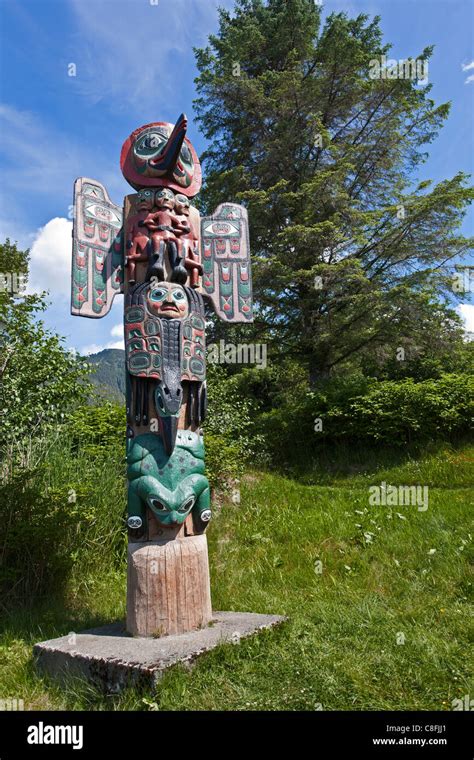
x: 351, y: 253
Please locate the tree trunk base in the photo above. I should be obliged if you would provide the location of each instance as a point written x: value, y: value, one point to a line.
x: 168, y: 586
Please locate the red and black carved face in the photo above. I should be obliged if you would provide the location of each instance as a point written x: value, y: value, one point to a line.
x: 145, y: 200
x: 184, y: 169
x: 165, y: 198
x: 181, y: 204
x: 160, y: 154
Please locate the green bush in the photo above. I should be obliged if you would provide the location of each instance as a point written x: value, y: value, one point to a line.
x: 365, y: 411
x: 95, y: 428
x: 223, y: 461
x: 400, y: 412
x: 41, y: 381
x: 231, y: 439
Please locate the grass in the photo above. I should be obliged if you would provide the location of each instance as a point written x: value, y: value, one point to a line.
x: 377, y: 597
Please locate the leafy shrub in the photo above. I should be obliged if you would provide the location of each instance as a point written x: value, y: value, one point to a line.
x: 40, y: 379
x: 399, y: 412
x: 361, y: 410
x: 223, y: 460
x: 230, y: 438
x: 95, y: 428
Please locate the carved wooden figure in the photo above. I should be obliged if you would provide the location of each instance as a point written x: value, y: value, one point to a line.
x: 169, y: 263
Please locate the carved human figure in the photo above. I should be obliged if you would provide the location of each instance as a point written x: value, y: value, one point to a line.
x: 138, y: 240
x: 188, y: 240
x: 165, y: 229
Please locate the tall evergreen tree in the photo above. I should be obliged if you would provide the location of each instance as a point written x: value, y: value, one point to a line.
x: 350, y: 252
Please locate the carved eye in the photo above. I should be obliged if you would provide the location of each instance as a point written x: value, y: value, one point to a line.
x: 158, y: 294
x: 158, y: 505
x: 178, y: 295
x: 187, y: 505
x: 149, y: 143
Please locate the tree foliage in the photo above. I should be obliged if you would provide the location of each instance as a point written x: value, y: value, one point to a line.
x: 351, y: 252
x: 40, y: 380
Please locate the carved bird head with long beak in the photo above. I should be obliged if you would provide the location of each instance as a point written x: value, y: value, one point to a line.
x: 160, y: 155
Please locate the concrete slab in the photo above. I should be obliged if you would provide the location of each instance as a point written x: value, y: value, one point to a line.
x: 112, y: 658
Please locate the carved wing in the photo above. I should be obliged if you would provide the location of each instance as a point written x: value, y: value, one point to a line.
x: 225, y: 256
x: 97, y: 250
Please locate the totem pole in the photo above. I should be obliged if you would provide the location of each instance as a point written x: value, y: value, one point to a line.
x: 169, y: 263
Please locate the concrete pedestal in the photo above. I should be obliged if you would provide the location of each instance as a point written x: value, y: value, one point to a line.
x: 111, y: 658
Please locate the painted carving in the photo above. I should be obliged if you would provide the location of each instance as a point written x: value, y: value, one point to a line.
x: 97, y: 258
x: 170, y: 486
x: 165, y: 229
x: 167, y: 261
x: 138, y: 239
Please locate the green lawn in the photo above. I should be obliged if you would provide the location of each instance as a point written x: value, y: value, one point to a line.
x: 377, y: 599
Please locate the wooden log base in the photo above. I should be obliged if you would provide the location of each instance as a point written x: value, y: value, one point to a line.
x: 168, y: 586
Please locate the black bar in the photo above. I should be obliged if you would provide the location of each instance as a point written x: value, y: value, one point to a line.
x: 337, y: 734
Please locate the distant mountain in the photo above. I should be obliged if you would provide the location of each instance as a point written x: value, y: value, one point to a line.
x: 109, y: 375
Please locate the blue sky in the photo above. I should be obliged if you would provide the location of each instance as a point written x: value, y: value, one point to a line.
x: 134, y: 64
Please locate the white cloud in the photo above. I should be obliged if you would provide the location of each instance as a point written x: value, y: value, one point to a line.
x: 94, y: 348
x: 468, y: 67
x: 466, y: 310
x: 116, y: 344
x: 117, y: 331
x: 50, y: 269
x: 50, y: 258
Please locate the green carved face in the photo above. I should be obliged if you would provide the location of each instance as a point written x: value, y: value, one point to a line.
x: 174, y: 511
x: 171, y: 486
